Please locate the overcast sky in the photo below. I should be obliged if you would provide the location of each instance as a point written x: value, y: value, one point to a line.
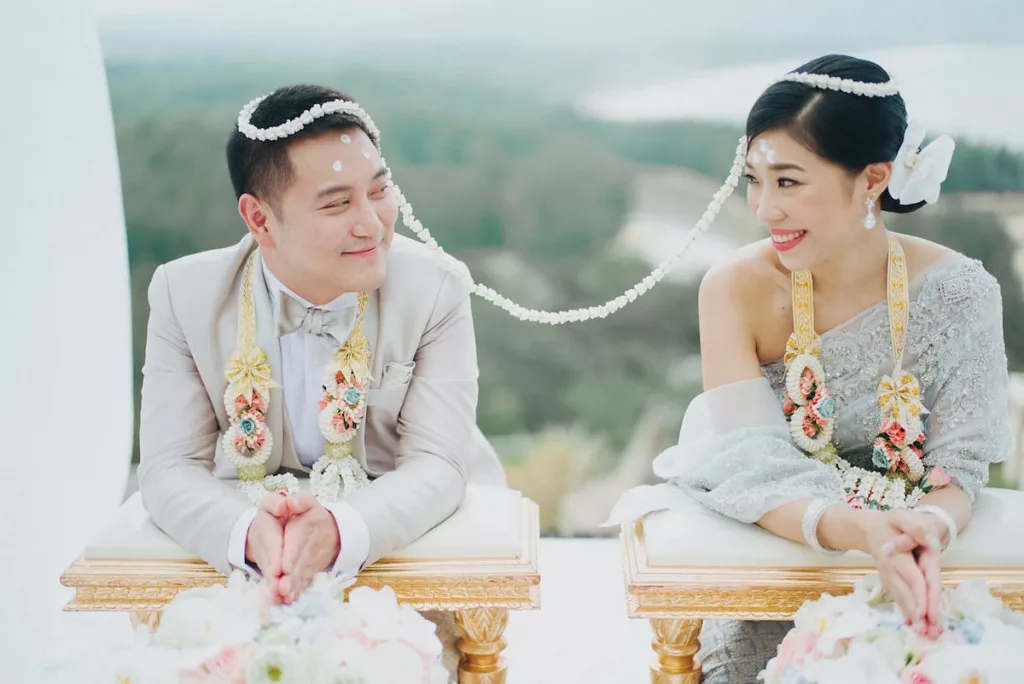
x: 581, y: 21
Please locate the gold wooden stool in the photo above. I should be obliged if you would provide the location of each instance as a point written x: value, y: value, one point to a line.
x: 479, y: 564
x: 689, y: 564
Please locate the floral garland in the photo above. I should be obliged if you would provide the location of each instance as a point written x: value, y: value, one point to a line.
x: 248, y: 441
x: 342, y: 410
x: 809, y: 407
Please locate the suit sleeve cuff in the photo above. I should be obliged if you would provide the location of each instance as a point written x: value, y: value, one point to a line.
x: 355, y: 540
x: 236, y: 544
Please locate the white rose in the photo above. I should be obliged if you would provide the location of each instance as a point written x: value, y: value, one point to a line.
x: 338, y: 661
x: 210, y: 616
x: 276, y: 665
x: 862, y: 663
x: 395, y: 663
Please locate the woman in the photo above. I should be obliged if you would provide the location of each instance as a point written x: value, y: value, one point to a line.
x: 856, y: 380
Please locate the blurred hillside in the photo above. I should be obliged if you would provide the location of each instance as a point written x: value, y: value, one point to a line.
x: 555, y: 210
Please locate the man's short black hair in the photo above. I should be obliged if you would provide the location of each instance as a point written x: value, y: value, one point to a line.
x: 262, y: 168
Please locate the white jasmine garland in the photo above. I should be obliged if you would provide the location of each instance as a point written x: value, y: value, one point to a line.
x: 922, y: 184
x: 844, y: 85
x: 293, y: 126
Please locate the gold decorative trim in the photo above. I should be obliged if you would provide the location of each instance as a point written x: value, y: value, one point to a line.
x: 758, y: 593
x: 140, y: 586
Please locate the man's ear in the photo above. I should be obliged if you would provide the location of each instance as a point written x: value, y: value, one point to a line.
x: 258, y: 218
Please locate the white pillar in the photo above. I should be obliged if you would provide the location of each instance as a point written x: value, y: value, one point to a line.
x: 65, y: 333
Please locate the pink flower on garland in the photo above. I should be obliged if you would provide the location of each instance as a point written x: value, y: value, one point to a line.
x: 823, y: 407
x: 895, y: 432
x: 936, y: 478
x: 788, y: 406
x: 810, y: 427
x: 883, y: 455
x: 806, y: 383
x: 340, y: 424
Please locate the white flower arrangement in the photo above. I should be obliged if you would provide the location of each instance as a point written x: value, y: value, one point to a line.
x: 863, y: 637
x: 234, y: 635
x: 330, y: 478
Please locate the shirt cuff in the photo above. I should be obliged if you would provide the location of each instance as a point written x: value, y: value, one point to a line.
x: 236, y: 544
x: 355, y: 540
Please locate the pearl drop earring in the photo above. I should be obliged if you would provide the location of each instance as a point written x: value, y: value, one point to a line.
x: 869, y: 217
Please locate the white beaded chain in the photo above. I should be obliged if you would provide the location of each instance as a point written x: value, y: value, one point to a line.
x: 609, y: 307
x: 844, y: 85
x: 292, y: 126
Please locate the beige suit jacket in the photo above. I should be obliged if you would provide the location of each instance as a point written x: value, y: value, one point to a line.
x: 419, y: 440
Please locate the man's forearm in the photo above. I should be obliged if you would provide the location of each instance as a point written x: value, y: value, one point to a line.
x: 402, y: 505
x: 195, y: 508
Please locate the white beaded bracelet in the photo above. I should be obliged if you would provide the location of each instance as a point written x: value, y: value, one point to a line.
x: 812, y: 516
x: 945, y: 517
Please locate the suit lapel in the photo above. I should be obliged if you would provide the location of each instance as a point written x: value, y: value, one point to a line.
x: 283, y: 451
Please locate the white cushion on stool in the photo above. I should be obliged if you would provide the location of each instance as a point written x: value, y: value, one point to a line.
x: 488, y: 524
x: 692, y: 535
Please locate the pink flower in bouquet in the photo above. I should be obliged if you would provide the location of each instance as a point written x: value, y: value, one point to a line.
x: 915, y: 676
x: 797, y: 648
x: 226, y: 666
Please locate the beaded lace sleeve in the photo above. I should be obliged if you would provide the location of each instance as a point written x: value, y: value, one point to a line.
x: 967, y: 427
x: 734, y: 455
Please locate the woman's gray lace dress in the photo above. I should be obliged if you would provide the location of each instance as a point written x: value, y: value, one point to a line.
x: 750, y: 466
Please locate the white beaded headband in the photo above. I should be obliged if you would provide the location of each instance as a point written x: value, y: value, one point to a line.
x: 292, y: 126
x: 844, y: 85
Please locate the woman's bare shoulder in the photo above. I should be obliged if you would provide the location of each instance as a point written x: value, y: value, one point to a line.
x: 748, y: 280
x: 922, y: 254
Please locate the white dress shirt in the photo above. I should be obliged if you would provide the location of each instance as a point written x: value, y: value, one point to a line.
x: 304, y: 359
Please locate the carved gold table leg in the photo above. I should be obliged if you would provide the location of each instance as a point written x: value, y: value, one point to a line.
x: 675, y: 644
x: 481, y: 645
x: 150, y: 618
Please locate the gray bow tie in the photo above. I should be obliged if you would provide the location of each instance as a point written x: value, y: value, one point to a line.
x: 332, y: 326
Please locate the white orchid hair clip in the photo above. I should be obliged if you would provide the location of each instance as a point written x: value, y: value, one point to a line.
x: 917, y: 174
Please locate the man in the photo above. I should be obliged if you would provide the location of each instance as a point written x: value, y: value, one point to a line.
x: 320, y: 211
